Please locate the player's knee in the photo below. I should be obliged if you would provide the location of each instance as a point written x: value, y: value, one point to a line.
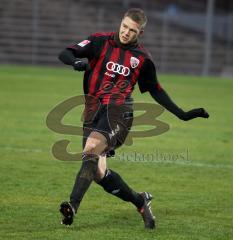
x: 94, y: 146
x: 91, y: 148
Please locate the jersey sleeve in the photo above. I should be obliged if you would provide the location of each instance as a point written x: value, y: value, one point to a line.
x: 87, y: 48
x: 147, y: 80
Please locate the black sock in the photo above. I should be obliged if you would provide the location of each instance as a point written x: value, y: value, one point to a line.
x: 114, y: 184
x: 83, y: 179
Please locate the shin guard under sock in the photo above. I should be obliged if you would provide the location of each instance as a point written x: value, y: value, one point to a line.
x: 114, y: 184
x: 83, y: 179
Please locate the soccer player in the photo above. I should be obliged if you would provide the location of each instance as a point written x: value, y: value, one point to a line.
x: 116, y: 62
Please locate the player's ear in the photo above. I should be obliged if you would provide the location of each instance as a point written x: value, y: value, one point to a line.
x: 141, y: 32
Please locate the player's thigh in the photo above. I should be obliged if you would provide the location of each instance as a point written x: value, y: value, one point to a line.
x: 96, y: 143
x: 120, y: 121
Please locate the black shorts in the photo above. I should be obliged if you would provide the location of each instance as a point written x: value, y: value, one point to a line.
x: 113, y: 121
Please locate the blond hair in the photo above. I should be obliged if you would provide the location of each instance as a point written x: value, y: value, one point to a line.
x: 137, y: 15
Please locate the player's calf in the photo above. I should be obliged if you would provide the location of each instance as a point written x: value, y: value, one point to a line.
x: 83, y: 180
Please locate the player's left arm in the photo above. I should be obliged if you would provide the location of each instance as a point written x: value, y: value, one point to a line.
x: 163, y: 99
x: 148, y: 82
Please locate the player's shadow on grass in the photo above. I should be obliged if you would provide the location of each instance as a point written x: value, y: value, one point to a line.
x: 112, y: 219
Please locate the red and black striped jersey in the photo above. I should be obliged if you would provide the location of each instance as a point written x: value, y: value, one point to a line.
x: 115, y: 68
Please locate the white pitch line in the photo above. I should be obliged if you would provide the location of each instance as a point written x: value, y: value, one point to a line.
x: 16, y: 149
x: 116, y: 158
x: 198, y: 164
x: 179, y: 162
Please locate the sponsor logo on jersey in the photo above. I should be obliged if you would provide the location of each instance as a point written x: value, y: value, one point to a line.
x: 112, y: 75
x: 83, y: 43
x: 134, y: 62
x: 117, y: 68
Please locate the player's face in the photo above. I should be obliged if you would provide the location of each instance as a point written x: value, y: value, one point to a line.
x: 129, y: 31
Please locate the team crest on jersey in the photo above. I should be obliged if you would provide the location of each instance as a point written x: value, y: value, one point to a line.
x: 84, y: 43
x: 134, y: 62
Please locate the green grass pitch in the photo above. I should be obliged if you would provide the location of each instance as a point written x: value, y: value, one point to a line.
x: 191, y: 174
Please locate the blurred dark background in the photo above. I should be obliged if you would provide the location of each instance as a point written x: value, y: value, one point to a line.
x: 185, y: 37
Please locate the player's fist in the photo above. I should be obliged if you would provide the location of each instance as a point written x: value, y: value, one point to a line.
x: 203, y: 113
x: 80, y: 65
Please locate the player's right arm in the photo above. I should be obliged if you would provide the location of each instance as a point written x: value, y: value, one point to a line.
x: 72, y: 54
x: 67, y: 57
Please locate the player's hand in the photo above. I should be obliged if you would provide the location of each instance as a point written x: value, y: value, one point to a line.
x: 194, y: 113
x: 203, y: 113
x: 80, y: 65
